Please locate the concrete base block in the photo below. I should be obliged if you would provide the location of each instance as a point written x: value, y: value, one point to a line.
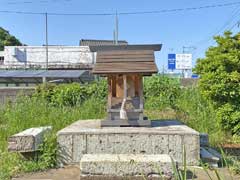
x: 163, y: 137
x: 122, y: 165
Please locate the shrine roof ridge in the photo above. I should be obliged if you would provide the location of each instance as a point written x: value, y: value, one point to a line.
x: 154, y: 47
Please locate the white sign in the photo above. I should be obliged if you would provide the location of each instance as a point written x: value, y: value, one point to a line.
x: 183, y: 61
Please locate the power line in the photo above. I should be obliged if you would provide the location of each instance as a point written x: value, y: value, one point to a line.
x: 229, y: 21
x: 181, y: 9
x: 22, y: 12
x: 235, y: 13
x: 32, y: 2
x: 125, y: 13
x: 236, y: 24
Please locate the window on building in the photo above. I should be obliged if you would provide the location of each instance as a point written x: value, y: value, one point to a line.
x: 1, y: 60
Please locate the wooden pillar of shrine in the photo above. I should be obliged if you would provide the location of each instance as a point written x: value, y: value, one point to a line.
x: 125, y: 95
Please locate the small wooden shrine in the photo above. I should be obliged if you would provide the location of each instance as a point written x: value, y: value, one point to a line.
x: 124, y: 66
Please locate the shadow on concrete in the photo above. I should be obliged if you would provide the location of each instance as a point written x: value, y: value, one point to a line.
x: 163, y: 123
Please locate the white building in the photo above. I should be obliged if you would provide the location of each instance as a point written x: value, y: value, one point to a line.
x: 59, y: 57
x: 31, y: 65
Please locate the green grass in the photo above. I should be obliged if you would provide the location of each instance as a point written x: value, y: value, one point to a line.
x: 198, y: 113
x: 192, y: 109
x: 59, y: 106
x: 34, y: 112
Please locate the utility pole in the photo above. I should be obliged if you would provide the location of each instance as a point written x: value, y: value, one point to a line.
x: 163, y: 70
x: 189, y: 49
x: 46, y: 34
x: 116, y: 29
x: 183, y: 49
x: 183, y: 71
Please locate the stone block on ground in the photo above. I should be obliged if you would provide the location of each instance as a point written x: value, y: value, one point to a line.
x: 126, y: 165
x: 28, y: 140
x: 209, y: 157
x: 204, y: 140
x: 163, y: 137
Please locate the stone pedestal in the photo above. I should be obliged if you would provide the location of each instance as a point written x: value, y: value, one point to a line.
x: 163, y: 137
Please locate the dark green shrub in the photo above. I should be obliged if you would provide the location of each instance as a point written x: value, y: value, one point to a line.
x: 161, y: 91
x: 220, y: 79
x: 229, y: 117
x: 71, y: 94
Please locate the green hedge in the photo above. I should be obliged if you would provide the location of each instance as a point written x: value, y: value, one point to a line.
x: 72, y: 94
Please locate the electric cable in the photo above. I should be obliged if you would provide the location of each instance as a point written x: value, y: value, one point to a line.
x: 125, y: 13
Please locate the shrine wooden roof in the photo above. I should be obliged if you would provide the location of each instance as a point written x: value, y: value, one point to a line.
x: 125, y: 59
x: 97, y: 42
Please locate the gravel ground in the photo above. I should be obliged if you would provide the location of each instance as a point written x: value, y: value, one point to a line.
x: 72, y: 173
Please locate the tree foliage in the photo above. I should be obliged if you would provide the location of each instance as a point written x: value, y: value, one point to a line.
x: 7, y: 39
x: 220, y: 79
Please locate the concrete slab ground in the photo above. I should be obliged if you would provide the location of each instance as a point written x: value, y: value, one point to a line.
x: 164, y: 137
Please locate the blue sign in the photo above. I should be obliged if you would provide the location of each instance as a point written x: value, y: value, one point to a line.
x: 195, y: 76
x: 172, y: 61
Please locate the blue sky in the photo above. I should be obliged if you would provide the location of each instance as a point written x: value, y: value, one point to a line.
x: 173, y: 29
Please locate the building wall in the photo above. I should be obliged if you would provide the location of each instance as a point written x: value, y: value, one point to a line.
x: 21, y: 56
x: 10, y: 93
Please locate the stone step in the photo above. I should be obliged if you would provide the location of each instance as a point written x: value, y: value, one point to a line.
x: 126, y: 165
